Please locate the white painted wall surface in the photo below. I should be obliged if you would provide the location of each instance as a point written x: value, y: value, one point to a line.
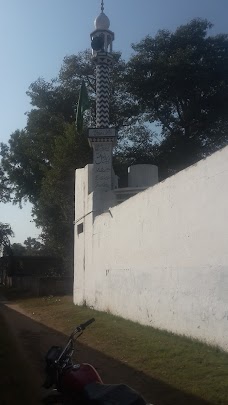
x: 161, y: 257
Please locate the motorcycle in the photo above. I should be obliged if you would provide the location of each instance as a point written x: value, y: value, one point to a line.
x: 80, y: 383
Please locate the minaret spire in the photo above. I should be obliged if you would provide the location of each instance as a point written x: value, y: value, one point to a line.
x: 102, y: 138
x: 101, y: 40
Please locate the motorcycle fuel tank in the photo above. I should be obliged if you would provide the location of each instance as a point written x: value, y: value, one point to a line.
x: 77, y: 377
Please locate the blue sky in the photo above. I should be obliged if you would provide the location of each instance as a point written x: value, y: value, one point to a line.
x: 36, y: 35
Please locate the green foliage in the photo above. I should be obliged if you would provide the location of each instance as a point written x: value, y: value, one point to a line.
x: 5, y: 233
x: 54, y: 211
x: 17, y: 249
x: 33, y: 247
x: 4, y: 188
x: 180, y: 80
x: 25, y: 164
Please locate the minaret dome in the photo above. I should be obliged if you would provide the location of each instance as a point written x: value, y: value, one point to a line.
x: 102, y: 22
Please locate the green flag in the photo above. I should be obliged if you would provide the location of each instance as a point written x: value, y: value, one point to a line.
x: 83, y: 105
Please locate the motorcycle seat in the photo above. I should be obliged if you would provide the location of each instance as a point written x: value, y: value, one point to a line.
x: 116, y: 394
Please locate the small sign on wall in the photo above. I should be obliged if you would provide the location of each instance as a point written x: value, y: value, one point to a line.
x: 80, y: 228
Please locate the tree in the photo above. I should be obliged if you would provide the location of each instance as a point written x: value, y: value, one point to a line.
x: 40, y: 161
x: 180, y: 80
x: 18, y: 249
x: 5, y: 233
x: 54, y: 211
x: 137, y: 145
x: 33, y: 247
x: 4, y: 189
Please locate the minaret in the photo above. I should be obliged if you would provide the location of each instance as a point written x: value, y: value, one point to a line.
x: 102, y: 138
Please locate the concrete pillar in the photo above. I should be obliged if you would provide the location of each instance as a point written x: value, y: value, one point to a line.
x: 102, y: 166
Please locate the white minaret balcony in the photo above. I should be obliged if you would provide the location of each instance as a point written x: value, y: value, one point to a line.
x: 102, y: 38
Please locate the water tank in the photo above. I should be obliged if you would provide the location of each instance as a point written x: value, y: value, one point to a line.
x: 142, y: 175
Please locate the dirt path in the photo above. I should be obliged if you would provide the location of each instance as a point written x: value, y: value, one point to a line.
x: 33, y: 340
x: 29, y: 337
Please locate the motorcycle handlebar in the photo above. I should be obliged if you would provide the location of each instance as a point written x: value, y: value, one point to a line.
x: 78, y: 329
x: 87, y: 323
x: 81, y: 327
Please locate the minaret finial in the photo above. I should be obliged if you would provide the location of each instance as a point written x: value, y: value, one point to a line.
x: 102, y: 6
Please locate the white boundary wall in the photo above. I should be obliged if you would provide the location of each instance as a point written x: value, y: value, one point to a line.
x: 161, y: 257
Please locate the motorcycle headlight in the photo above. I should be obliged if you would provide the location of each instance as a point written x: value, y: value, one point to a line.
x: 53, y: 354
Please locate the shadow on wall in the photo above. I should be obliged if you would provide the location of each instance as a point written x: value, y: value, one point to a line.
x: 34, y: 339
